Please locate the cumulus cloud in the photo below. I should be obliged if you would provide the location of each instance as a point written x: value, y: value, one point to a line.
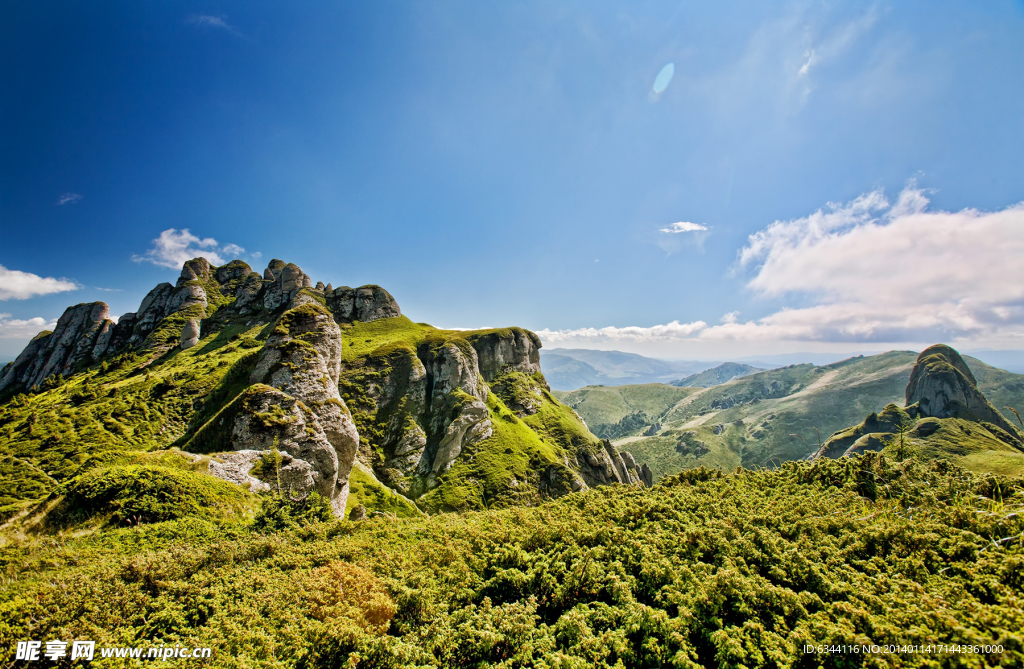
x: 68, y: 198
x: 873, y: 271
x: 684, y: 226
x: 15, y: 285
x: 13, y: 328
x: 174, y: 247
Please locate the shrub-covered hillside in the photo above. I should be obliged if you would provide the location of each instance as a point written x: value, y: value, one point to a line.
x: 704, y: 570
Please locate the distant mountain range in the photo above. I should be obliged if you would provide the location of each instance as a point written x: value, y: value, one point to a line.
x: 572, y: 368
x: 727, y: 371
x: 753, y: 420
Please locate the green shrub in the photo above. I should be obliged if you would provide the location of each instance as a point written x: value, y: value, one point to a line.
x: 145, y: 494
x: 278, y: 512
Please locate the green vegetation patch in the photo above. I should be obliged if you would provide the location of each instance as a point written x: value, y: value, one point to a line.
x: 147, y: 493
x: 365, y: 489
x: 705, y: 570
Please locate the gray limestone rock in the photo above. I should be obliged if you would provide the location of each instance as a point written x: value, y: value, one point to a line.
x: 190, y: 334
x: 302, y: 358
x: 647, y: 475
x: 365, y: 304
x: 248, y: 293
x: 234, y: 466
x: 942, y: 386
x: 185, y: 296
x: 262, y: 417
x: 507, y: 349
x: 234, y: 270
x: 72, y: 342
x: 472, y: 425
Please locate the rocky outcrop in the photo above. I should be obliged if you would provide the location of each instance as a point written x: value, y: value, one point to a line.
x: 302, y: 357
x: 471, y: 425
x: 262, y: 418
x: 647, y: 475
x: 81, y: 331
x: 507, y: 349
x: 236, y: 466
x: 189, y: 334
x: 842, y: 442
x: 364, y: 304
x: 287, y: 280
x: 942, y: 386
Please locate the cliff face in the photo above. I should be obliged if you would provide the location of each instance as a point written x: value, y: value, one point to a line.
x: 333, y: 376
x: 82, y: 335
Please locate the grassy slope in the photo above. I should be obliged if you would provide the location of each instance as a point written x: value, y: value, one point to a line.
x: 602, y: 406
x: 116, y: 411
x: 741, y: 570
x: 829, y: 398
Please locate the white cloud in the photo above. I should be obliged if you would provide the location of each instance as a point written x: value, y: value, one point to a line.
x: 174, y: 247
x: 894, y: 272
x: 868, y: 272
x: 15, y: 285
x: 670, y: 331
x: 12, y: 328
x: 68, y: 198
x: 684, y: 226
x: 208, y: 21
x: 255, y: 255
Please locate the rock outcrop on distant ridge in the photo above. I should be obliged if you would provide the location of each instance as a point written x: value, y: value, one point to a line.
x: 941, y: 388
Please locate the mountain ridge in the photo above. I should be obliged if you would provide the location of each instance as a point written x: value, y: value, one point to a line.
x: 231, y: 365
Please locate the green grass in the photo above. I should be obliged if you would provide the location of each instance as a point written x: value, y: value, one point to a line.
x: 482, y: 477
x: 147, y: 493
x: 365, y: 489
x: 741, y: 570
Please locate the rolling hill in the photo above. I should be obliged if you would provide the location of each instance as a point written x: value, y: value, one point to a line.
x: 749, y: 421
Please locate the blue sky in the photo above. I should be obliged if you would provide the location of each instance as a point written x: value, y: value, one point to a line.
x: 814, y: 176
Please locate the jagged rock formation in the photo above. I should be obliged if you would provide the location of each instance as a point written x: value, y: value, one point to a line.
x: 264, y: 418
x: 415, y: 405
x: 81, y: 335
x: 302, y: 358
x: 941, y: 388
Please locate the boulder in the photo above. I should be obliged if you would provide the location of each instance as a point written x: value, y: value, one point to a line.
x: 357, y: 513
x: 190, y: 334
x: 364, y: 304
x: 261, y: 418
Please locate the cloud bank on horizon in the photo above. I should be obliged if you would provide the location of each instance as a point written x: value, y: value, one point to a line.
x: 870, y: 272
